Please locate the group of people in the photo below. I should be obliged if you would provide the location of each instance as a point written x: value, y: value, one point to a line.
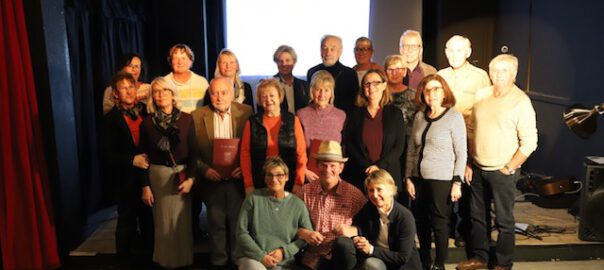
x: 341, y: 173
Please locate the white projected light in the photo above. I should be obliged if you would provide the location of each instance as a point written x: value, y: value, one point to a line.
x: 256, y: 28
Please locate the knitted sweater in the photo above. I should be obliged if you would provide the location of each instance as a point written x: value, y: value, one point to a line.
x: 437, y: 148
x: 190, y: 94
x: 322, y: 124
x: 267, y: 223
x: 502, y: 126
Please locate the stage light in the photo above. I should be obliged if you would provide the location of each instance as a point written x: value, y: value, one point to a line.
x: 582, y: 121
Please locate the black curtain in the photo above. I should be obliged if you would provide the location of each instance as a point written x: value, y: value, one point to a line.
x: 121, y: 32
x: 215, y: 38
x: 99, y: 33
x: 80, y: 34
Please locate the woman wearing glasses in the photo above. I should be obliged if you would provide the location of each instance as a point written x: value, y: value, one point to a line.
x: 168, y: 139
x: 269, y: 221
x: 436, y: 159
x: 403, y: 97
x: 363, y: 52
x: 374, y: 136
x: 133, y: 64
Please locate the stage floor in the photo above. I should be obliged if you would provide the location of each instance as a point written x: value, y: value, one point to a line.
x: 559, y: 238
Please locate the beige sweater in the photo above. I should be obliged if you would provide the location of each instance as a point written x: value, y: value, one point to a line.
x: 501, y: 126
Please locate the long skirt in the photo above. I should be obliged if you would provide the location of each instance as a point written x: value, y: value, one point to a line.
x: 172, y: 219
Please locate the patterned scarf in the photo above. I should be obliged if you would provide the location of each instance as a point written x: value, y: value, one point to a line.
x: 166, y: 125
x: 132, y: 112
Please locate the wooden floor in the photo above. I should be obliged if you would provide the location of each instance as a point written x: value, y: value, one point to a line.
x: 557, y: 226
x: 558, y: 233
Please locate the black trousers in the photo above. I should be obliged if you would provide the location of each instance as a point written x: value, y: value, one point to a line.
x: 133, y: 215
x: 461, y: 224
x: 432, y: 209
x: 496, y: 187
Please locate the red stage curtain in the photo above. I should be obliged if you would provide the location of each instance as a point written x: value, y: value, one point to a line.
x: 27, y: 229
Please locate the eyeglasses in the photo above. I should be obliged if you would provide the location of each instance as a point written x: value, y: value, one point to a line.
x: 163, y: 91
x: 411, y: 46
x: 374, y: 84
x: 393, y: 70
x: 433, y: 89
x: 360, y: 50
x: 279, y: 176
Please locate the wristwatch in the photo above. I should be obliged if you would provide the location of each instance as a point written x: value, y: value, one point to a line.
x: 510, y: 170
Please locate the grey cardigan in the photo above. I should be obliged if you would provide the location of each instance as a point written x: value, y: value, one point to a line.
x: 437, y: 148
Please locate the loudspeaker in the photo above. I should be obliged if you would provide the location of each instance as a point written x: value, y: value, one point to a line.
x: 591, y: 222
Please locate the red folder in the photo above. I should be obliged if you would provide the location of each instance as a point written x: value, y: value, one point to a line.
x: 225, y: 157
x: 313, y: 150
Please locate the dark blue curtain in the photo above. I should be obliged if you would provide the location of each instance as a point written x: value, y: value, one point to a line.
x: 99, y: 33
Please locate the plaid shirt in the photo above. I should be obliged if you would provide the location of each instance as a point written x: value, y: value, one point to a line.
x: 327, y: 210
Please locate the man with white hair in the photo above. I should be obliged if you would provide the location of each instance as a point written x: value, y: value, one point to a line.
x: 411, y: 46
x: 464, y: 79
x: 347, y: 82
x: 504, y: 135
x: 223, y: 194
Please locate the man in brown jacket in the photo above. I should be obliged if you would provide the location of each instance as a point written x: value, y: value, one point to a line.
x: 223, y: 194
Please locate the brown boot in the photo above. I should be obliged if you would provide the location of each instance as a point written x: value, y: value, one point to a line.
x: 472, y: 264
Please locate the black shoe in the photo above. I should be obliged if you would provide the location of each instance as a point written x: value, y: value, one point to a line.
x: 438, y: 267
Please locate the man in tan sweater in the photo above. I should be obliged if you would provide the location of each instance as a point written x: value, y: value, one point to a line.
x: 503, y: 136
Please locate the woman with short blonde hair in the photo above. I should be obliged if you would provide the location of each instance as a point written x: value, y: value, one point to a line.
x: 321, y: 120
x: 165, y: 85
x: 168, y: 139
x: 385, y: 230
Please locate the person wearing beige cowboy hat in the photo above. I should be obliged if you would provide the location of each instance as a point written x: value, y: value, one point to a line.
x: 332, y: 203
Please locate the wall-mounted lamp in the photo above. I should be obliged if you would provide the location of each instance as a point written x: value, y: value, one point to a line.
x: 582, y: 121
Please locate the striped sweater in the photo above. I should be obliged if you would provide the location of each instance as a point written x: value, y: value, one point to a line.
x: 437, y: 148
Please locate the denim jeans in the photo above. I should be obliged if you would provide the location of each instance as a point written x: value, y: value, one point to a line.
x: 498, y: 188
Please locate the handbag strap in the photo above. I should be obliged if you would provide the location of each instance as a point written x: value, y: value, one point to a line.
x: 173, y: 161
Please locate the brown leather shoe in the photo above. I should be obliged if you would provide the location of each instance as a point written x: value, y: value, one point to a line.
x: 472, y: 264
x: 499, y: 267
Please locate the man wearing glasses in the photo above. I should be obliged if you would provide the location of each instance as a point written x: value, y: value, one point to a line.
x: 410, y: 46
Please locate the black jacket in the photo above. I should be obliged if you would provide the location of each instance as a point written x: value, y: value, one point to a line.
x: 402, y: 253
x: 119, y: 151
x: 301, y: 94
x: 393, y: 144
x: 347, y: 84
